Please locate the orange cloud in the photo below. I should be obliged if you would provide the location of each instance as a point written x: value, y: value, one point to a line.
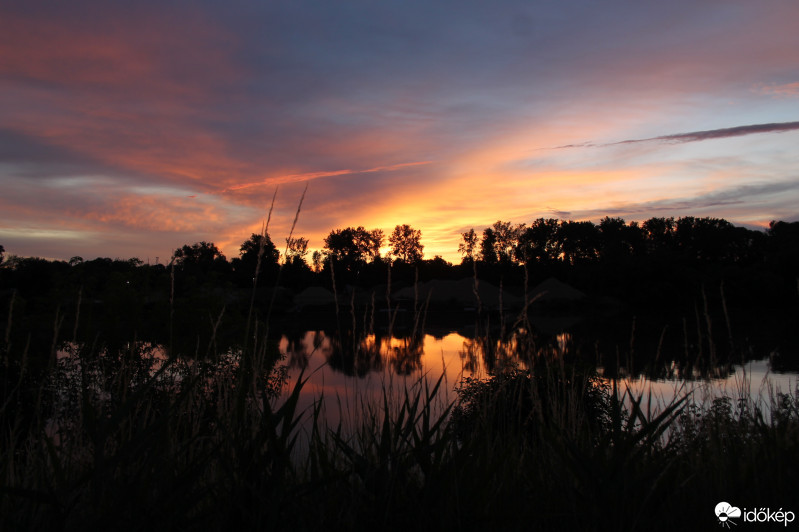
x: 161, y: 214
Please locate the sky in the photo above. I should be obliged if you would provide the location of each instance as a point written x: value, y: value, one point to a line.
x: 129, y: 129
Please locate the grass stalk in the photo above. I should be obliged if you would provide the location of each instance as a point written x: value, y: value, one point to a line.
x: 262, y: 243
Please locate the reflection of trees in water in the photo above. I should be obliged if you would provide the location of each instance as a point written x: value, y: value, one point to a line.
x: 519, y: 348
x: 617, y: 350
x: 355, y: 354
x: 523, y: 348
x: 676, y: 351
x: 297, y: 355
x: 658, y: 347
x: 689, y: 370
x: 358, y: 355
x: 352, y: 355
x: 406, y: 358
x: 300, y: 347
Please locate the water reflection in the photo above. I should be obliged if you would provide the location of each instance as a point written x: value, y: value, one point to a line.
x: 455, y: 355
x: 353, y: 355
x: 342, y: 358
x: 347, y: 367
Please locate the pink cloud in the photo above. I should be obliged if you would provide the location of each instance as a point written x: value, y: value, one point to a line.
x: 159, y: 214
x: 141, y: 54
x: 786, y: 90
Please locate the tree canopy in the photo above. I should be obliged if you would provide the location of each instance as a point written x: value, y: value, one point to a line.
x: 406, y: 244
x: 352, y: 246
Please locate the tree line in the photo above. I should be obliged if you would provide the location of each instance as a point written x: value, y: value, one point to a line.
x: 608, y: 256
x: 574, y: 242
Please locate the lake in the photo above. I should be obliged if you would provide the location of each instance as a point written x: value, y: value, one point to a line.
x: 348, y: 370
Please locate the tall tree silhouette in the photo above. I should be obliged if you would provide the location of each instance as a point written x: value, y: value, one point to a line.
x: 539, y: 242
x: 488, y: 252
x: 406, y: 244
x: 247, y: 262
x: 506, y: 239
x: 783, y: 248
x: 468, y: 246
x: 618, y: 239
x: 202, y: 257
x: 353, y: 247
x: 579, y: 241
x: 659, y: 235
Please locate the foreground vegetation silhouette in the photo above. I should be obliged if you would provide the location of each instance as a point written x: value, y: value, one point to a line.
x: 133, y: 440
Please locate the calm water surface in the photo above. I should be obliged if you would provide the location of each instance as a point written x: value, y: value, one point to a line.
x: 346, y: 373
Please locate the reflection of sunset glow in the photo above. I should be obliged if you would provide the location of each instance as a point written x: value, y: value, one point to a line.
x: 454, y: 357
x: 563, y: 339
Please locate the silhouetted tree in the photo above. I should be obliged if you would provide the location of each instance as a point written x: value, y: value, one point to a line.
x: 579, y: 241
x: 467, y: 247
x: 783, y: 234
x: 353, y: 247
x: 316, y: 259
x: 704, y: 239
x: 406, y: 244
x: 619, y: 240
x: 253, y: 247
x: 783, y: 249
x: 201, y: 257
x: 296, y: 272
x: 501, y: 242
x: 659, y: 235
x: 488, y: 246
x: 636, y: 238
x: 539, y: 242
x: 245, y: 265
x: 374, y: 242
x: 258, y: 244
x: 435, y: 268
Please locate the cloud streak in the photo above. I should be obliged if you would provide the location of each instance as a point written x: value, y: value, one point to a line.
x: 308, y: 176
x: 698, y: 136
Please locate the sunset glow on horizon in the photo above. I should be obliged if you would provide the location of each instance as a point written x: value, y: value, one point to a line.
x: 131, y: 130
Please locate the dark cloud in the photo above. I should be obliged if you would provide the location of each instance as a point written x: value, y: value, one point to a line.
x: 17, y: 147
x: 563, y: 215
x: 738, y: 131
x: 697, y: 136
x: 35, y: 158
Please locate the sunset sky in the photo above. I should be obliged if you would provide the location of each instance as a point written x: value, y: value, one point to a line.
x: 128, y: 129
